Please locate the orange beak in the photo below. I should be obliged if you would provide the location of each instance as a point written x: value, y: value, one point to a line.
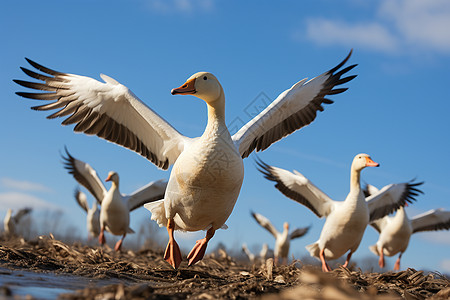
x: 187, y: 88
x: 108, y: 178
x: 371, y: 163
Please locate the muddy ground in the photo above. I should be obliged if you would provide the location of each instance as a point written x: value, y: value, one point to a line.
x: 145, y: 275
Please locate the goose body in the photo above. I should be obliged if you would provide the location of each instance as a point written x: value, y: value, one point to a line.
x: 115, y: 208
x: 394, y: 237
x: 204, y: 184
x: 395, y: 231
x: 114, y: 212
x: 344, y: 228
x: 92, y: 214
x: 345, y: 220
x: 207, y: 172
x: 93, y: 220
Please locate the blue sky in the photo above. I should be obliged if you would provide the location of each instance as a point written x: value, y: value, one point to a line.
x: 396, y: 109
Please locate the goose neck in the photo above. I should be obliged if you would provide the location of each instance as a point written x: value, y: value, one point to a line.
x: 285, y: 233
x: 216, y: 113
x: 401, y: 213
x: 114, y: 187
x: 355, y: 176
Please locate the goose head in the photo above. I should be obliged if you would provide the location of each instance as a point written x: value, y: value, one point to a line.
x: 114, y: 177
x: 202, y: 85
x: 286, y: 226
x: 363, y: 160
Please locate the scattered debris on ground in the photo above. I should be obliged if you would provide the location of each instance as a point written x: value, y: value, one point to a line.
x: 145, y: 275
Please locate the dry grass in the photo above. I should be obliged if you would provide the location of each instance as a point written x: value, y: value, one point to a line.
x: 146, y: 276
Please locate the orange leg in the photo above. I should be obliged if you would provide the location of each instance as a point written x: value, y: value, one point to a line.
x: 119, y: 243
x: 397, y: 262
x: 275, y: 261
x: 348, y: 259
x: 199, y: 249
x: 381, y: 260
x: 173, y: 253
x: 101, y: 236
x: 325, y: 266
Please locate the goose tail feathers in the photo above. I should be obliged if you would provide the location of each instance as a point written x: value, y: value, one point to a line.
x: 158, y: 212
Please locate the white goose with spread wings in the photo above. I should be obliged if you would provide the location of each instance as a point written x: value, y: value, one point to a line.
x: 282, y: 239
x: 395, y: 231
x: 207, y: 172
x: 346, y: 220
x: 11, y: 221
x: 92, y: 214
x: 115, y: 207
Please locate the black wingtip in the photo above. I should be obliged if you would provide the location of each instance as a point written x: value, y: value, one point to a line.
x: 262, y: 167
x: 22, y: 94
x: 346, y: 79
x: 261, y: 163
x: 413, y: 186
x: 341, y: 63
x: 68, y: 160
x: 67, y: 152
x: 42, y: 68
x: 35, y: 75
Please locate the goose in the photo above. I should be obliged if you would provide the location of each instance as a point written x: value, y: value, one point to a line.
x: 346, y: 220
x: 115, y: 207
x: 282, y: 239
x: 395, y: 231
x: 263, y: 253
x: 93, y: 214
x: 207, y: 171
x: 250, y: 255
x: 10, y: 222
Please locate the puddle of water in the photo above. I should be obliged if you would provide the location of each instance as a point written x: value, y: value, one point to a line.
x: 46, y: 285
x: 37, y: 292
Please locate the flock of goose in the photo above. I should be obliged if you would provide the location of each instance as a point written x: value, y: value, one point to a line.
x: 207, y: 171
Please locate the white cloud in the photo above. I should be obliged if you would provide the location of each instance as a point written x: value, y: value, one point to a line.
x: 445, y: 265
x: 368, y: 35
x: 179, y: 6
x: 420, y: 23
x: 23, y: 185
x: 397, y: 25
x: 17, y: 200
x: 436, y: 237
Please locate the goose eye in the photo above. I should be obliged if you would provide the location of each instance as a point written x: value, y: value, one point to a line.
x: 205, y: 78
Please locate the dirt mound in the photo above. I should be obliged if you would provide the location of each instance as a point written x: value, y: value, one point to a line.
x: 145, y: 275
